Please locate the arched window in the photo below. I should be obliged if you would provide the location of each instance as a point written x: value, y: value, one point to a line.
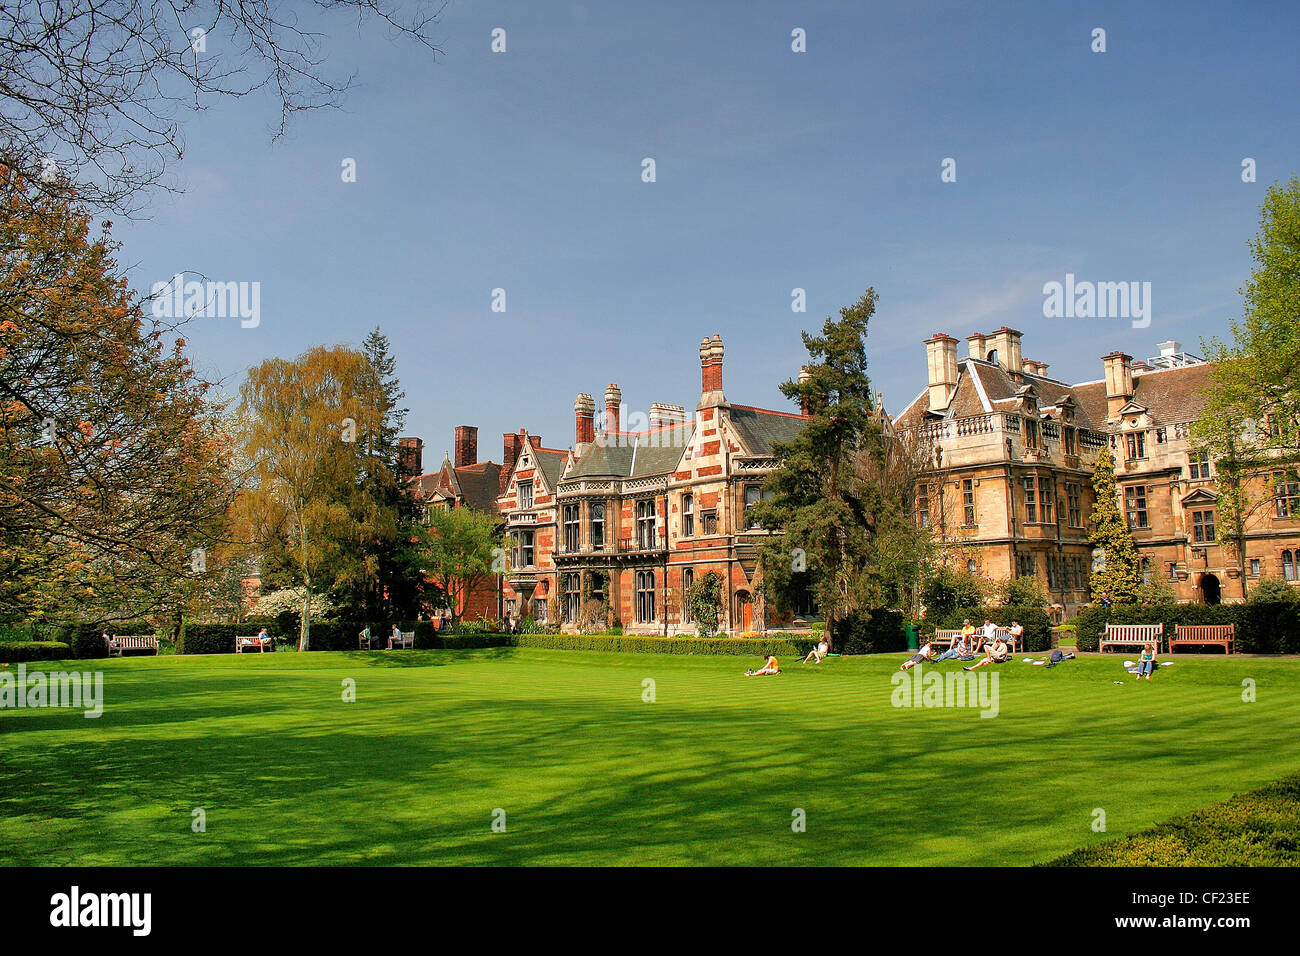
x: 597, y: 526
x: 992, y: 356
x: 1288, y: 565
x: 688, y: 579
x: 688, y: 516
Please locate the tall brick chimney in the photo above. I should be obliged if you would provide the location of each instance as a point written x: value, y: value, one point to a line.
x: 711, y: 373
x: 941, y: 368
x: 613, y: 397
x: 410, y: 455
x: 510, y: 449
x: 1119, y: 381
x: 584, y: 411
x: 466, y: 445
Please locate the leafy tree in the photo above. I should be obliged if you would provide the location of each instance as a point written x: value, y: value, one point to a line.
x: 457, y: 551
x: 825, y: 499
x: 114, y: 461
x: 704, y: 603
x: 1269, y: 590
x: 950, y: 589
x: 1121, y: 574
x: 301, y: 421
x: 1023, y: 592
x: 1251, y: 418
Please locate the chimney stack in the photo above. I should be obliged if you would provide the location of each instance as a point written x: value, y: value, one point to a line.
x: 1007, y: 342
x: 410, y: 456
x: 584, y: 412
x: 613, y: 396
x: 805, y: 405
x: 510, y: 450
x: 941, y: 362
x: 662, y: 414
x: 466, y: 445
x: 711, y: 373
x: 1119, y: 382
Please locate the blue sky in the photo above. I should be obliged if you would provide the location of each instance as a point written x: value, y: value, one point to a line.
x: 775, y: 170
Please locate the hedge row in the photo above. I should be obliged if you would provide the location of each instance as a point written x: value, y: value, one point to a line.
x: 325, y: 635
x: 1266, y: 627
x: 870, y: 632
x: 785, y: 645
x: 1258, y: 828
x: 1037, y: 625
x: 12, y: 652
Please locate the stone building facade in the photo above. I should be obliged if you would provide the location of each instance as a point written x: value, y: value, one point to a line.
x: 1010, y: 489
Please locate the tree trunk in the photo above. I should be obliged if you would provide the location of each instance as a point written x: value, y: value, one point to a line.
x: 304, y: 627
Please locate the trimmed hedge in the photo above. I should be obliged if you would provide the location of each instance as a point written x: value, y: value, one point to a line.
x: 208, y: 638
x: 1037, y: 625
x: 86, y: 641
x: 1266, y: 627
x: 633, y: 644
x: 878, y: 631
x: 13, y: 652
x: 1258, y: 828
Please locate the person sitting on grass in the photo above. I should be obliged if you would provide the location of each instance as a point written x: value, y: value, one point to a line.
x: 1147, y: 663
x: 995, y: 654
x: 926, y: 653
x: 770, y: 666
x: 960, y: 650
x: 818, y: 653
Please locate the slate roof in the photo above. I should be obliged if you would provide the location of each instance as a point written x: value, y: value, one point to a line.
x: 550, y: 461
x: 479, y: 484
x: 759, y: 428
x: 658, y: 452
x: 1171, y: 395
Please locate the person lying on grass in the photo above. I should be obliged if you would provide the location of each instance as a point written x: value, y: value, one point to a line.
x: 1056, y: 657
x: 818, y: 653
x: 926, y: 653
x: 770, y: 666
x: 960, y: 650
x: 1147, y: 663
x: 995, y: 654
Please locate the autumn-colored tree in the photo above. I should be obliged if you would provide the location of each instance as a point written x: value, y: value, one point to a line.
x: 302, y: 424
x: 1120, y: 573
x: 114, y: 478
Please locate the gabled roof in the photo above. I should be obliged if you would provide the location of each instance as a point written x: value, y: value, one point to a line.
x: 760, y: 428
x: 479, y: 484
x: 654, y: 452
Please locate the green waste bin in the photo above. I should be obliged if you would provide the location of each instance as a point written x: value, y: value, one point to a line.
x: 913, y: 636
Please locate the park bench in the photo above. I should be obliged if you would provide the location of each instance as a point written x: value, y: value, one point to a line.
x: 947, y: 637
x: 1222, y: 634
x: 243, y: 642
x: 132, y: 642
x: 1130, y: 635
x: 407, y: 639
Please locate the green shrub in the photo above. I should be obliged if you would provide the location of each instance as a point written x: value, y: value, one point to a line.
x: 784, y: 646
x: 86, y: 641
x: 878, y: 631
x: 1037, y: 625
x: 13, y: 652
x: 208, y: 638
x: 1263, y: 627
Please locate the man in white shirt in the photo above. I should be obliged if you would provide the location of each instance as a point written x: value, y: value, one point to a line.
x: 987, y: 633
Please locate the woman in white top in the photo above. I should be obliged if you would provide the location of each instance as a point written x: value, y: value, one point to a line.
x: 818, y: 652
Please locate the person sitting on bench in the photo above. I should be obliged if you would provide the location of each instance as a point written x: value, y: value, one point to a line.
x: 1017, y: 631
x: 926, y: 653
x: 396, y: 635
x: 987, y: 633
x: 770, y: 666
x: 995, y: 654
x: 817, y: 653
x: 263, y: 637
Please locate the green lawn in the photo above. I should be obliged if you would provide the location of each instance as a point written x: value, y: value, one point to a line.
x: 588, y: 773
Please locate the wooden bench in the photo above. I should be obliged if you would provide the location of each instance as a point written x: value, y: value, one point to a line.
x: 132, y: 642
x: 407, y: 639
x: 1222, y: 634
x: 1130, y: 635
x: 242, y: 642
x: 945, y: 637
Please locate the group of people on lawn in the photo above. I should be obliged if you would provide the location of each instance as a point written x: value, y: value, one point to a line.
x: 968, y: 645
